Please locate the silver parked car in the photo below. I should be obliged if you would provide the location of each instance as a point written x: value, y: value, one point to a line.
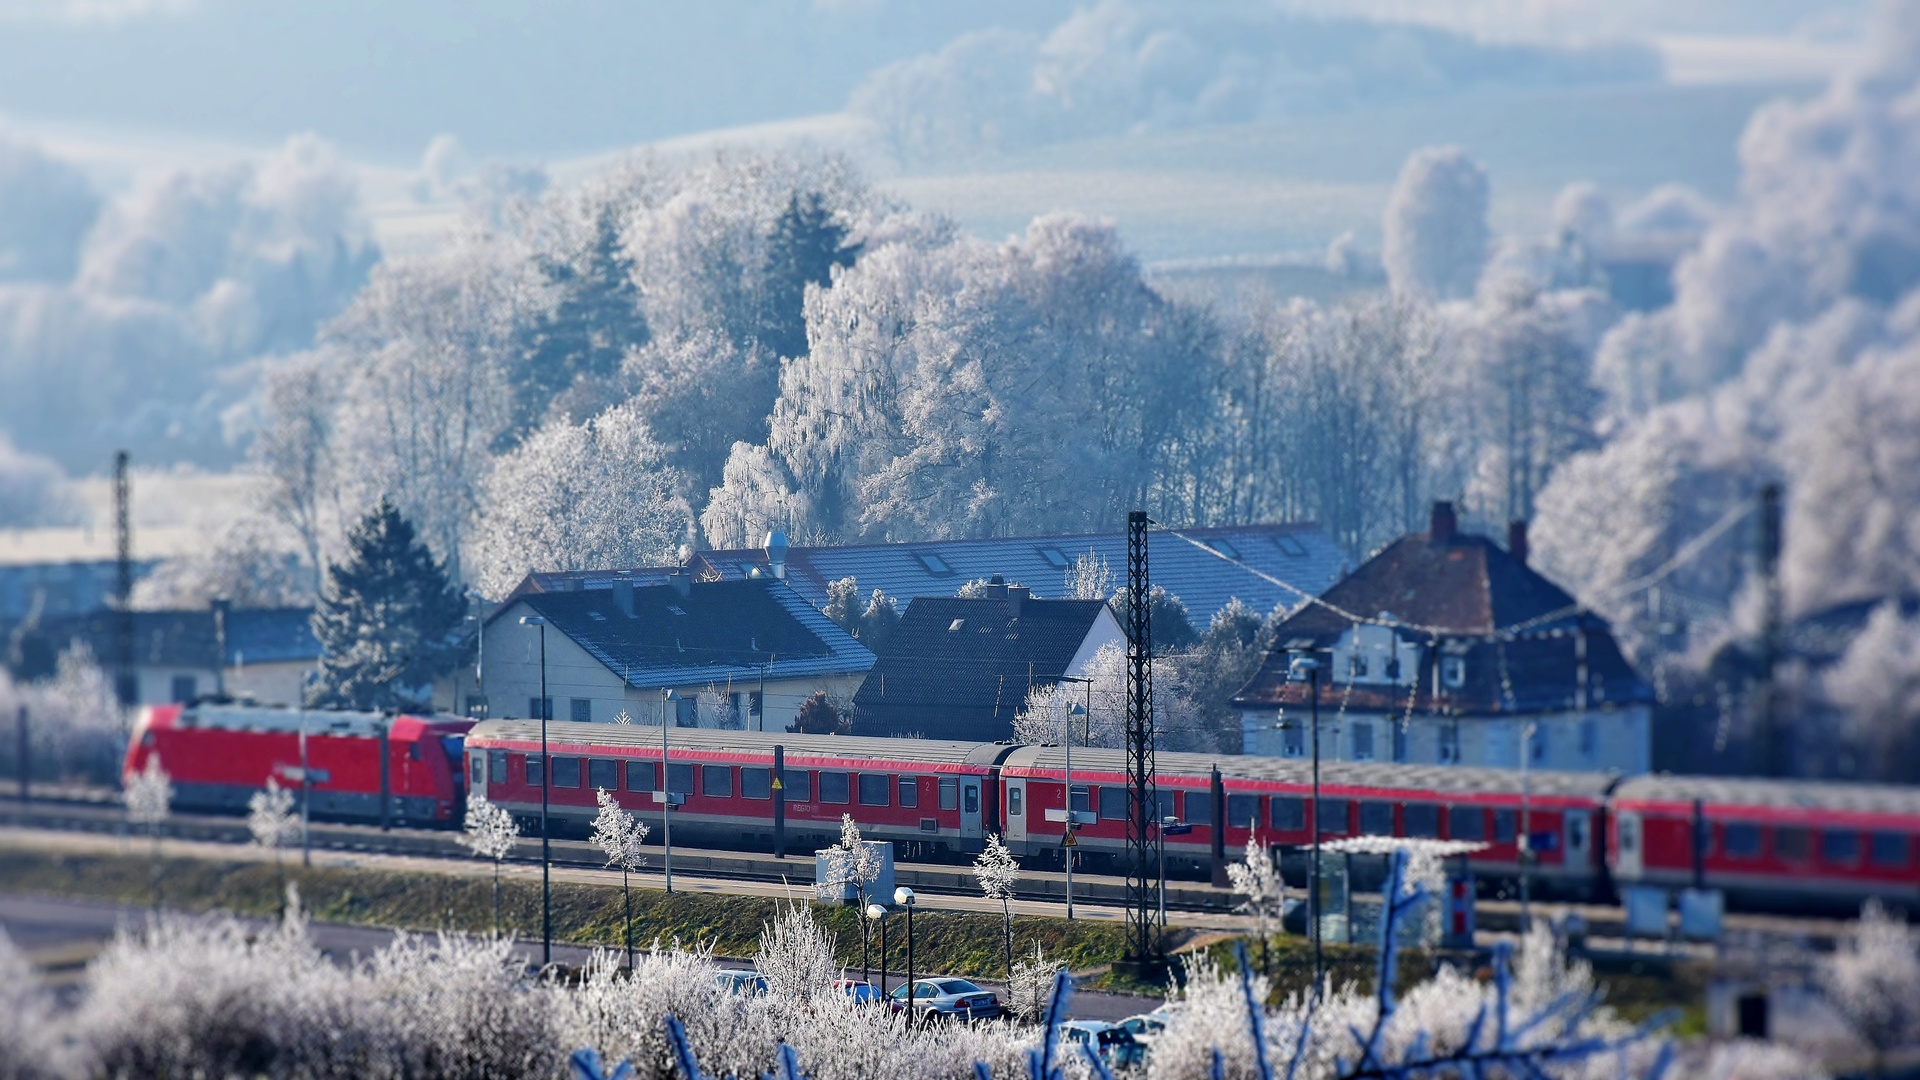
x: 955, y: 999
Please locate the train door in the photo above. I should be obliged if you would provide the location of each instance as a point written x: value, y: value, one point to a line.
x: 1578, y: 834
x: 1016, y: 810
x: 970, y: 808
x: 1629, y: 860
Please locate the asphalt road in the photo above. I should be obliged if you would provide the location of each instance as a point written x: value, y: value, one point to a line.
x: 61, y: 935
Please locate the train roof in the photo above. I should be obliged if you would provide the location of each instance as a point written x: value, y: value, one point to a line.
x: 332, y: 722
x: 1299, y: 771
x: 1781, y: 794
x: 712, y: 740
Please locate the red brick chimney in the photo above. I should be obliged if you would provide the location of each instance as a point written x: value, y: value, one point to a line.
x: 1444, y: 524
x: 1517, y: 540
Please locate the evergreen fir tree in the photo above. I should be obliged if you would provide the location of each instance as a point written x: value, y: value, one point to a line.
x: 388, y: 620
x: 808, y: 241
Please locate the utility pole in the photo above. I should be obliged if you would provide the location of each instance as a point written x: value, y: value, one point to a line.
x: 1772, y: 740
x: 1143, y: 953
x: 126, y: 683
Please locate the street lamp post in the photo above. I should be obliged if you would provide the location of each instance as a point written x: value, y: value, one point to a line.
x: 905, y: 898
x: 1066, y: 740
x: 546, y: 775
x: 877, y: 913
x: 1526, y: 827
x: 1307, y: 669
x: 667, y: 698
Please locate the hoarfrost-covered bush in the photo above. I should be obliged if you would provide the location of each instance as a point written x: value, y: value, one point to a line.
x: 796, y: 957
x: 1870, y: 981
x: 27, y: 1050
x: 75, y: 721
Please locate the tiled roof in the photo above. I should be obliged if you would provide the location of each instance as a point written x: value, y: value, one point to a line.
x: 187, y: 638
x: 1460, y: 590
x: 960, y: 669
x: 717, y: 630
x: 1301, y: 555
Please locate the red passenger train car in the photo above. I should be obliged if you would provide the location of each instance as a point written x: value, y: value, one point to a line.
x: 936, y: 798
x: 403, y: 770
x: 1775, y: 844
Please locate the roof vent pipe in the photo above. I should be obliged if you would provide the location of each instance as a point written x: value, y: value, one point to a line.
x: 1517, y: 541
x: 1445, y: 524
x: 776, y: 547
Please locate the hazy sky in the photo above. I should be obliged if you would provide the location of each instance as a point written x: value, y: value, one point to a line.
x: 567, y: 77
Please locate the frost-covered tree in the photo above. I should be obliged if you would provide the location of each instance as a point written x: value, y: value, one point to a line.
x: 999, y: 875
x: 578, y: 496
x: 29, y: 1048
x: 1089, y: 578
x: 149, y: 802
x: 1870, y: 979
x: 1435, y: 237
x: 246, y: 559
x: 1044, y: 718
x: 388, y: 620
x: 273, y: 825
x: 293, y: 452
x: 796, y: 957
x: 850, y: 864
x: 1031, y: 984
x: 1257, y: 878
x: 620, y: 835
x: 77, y: 727
x: 489, y: 831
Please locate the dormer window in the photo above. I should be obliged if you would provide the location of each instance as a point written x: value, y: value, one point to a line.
x: 1357, y: 665
x: 935, y: 565
x: 956, y: 626
x: 1055, y: 558
x: 1223, y: 548
x: 1289, y: 546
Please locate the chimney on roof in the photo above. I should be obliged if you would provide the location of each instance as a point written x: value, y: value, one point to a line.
x: 996, y: 588
x: 776, y: 547
x: 623, y: 594
x: 1016, y: 599
x: 1445, y: 524
x: 681, y: 581
x: 1517, y: 540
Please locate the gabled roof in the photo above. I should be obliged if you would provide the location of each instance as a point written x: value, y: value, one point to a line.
x: 1460, y: 591
x: 1204, y: 578
x: 715, y: 631
x: 960, y: 669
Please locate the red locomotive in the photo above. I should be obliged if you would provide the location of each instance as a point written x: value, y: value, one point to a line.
x: 401, y: 770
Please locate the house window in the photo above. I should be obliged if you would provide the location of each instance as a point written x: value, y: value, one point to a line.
x: 935, y: 564
x: 909, y: 791
x: 603, y: 775
x: 1537, y: 746
x: 1113, y: 804
x: 876, y: 789
x: 1393, y: 669
x: 477, y: 706
x: 1293, y: 740
x: 1289, y: 813
x: 1223, y: 548
x: 1243, y: 811
x: 1453, y: 671
x: 1421, y: 819
x: 1589, y: 739
x: 797, y: 784
x: 756, y: 783
x: 1362, y: 741
x: 1741, y: 841
x: 1332, y: 817
x: 643, y: 776
x: 534, y: 710
x: 183, y: 687
x: 566, y: 772
x: 1888, y: 849
x: 1449, y: 743
x: 1055, y: 558
x: 754, y: 705
x: 1466, y: 823
x: 835, y: 788
x: 688, y: 712
x: 679, y: 779
x: 580, y: 710
x: 1376, y: 819
x: 1399, y: 740
x: 535, y: 769
x: 1356, y: 664
x: 716, y: 781
x: 1290, y: 547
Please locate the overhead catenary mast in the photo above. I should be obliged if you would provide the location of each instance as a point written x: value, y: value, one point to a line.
x: 1144, y: 952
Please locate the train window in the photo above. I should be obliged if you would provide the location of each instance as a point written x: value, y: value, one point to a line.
x: 643, y: 776
x: 1163, y: 798
x: 1506, y: 826
x: 566, y: 772
x: 756, y: 783
x: 1199, y: 807
x: 949, y: 793
x: 973, y: 799
x: 1421, y: 819
x: 479, y: 771
x: 1741, y: 841
x: 1791, y: 843
x: 1289, y: 814
x: 1332, y: 817
x: 1113, y: 804
x: 1840, y: 847
x: 797, y: 784
x: 716, y: 781
x: 876, y: 789
x: 603, y: 775
x: 1013, y: 802
x: 834, y: 787
x: 1376, y: 819
x: 534, y: 770
x: 1082, y: 798
x: 909, y: 791
x: 1888, y: 849
x: 679, y: 779
x: 1243, y: 811
x: 1466, y: 823
x: 497, y: 766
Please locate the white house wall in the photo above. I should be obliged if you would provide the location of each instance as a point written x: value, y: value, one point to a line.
x: 1620, y: 738
x: 1105, y: 629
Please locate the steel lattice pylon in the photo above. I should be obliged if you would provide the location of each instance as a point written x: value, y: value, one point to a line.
x: 1143, y: 833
